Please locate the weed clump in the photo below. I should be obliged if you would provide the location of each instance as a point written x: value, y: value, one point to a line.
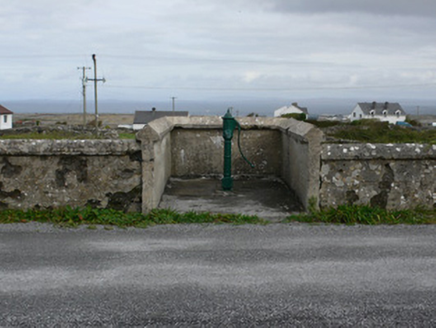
x: 355, y: 214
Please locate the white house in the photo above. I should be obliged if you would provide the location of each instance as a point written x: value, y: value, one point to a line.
x: 293, y: 109
x: 5, y: 118
x: 390, y: 112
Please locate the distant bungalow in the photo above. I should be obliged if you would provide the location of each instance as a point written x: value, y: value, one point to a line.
x: 293, y: 109
x: 390, y: 112
x: 5, y: 118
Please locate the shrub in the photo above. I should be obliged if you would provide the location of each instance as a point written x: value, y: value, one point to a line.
x: 296, y: 116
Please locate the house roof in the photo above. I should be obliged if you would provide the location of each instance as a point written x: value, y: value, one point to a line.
x: 303, y: 109
x: 295, y: 105
x: 145, y: 117
x: 4, y: 110
x: 391, y: 108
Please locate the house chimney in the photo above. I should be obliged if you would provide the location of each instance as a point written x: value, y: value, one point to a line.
x: 373, y: 105
x: 386, y: 105
x: 295, y: 104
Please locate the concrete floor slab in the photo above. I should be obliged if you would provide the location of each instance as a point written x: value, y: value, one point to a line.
x: 269, y: 198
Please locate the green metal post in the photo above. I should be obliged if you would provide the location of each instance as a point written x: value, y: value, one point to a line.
x: 229, y: 124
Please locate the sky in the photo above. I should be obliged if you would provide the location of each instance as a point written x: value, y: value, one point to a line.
x: 270, y: 52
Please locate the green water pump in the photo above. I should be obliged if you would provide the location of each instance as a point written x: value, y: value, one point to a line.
x: 229, y: 125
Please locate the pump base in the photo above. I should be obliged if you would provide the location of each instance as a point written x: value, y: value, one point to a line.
x: 227, y: 183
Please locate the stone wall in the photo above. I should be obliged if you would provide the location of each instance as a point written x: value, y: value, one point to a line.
x: 53, y: 173
x: 193, y: 146
x: 131, y: 175
x: 391, y: 176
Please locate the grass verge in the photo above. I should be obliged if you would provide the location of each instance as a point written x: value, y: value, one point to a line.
x: 72, y: 217
x: 346, y: 214
x: 353, y: 214
x: 54, y: 135
x: 64, y: 135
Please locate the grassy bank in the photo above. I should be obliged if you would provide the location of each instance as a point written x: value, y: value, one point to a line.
x: 376, y: 132
x: 63, y: 135
x: 72, y: 217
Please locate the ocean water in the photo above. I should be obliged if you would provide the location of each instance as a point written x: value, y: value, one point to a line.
x: 240, y: 107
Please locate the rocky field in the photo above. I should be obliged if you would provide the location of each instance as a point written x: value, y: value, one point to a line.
x: 111, y: 120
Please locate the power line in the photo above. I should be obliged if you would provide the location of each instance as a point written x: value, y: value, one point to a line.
x: 38, y: 56
x: 268, y: 60
x: 270, y: 89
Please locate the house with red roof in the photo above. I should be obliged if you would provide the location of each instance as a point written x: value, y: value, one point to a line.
x: 5, y: 118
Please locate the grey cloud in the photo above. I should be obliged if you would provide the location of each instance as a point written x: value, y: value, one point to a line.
x: 378, y: 7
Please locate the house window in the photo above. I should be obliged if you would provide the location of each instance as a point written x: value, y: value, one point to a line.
x: 385, y: 113
x: 372, y: 113
x: 5, y: 118
x: 397, y: 113
x: 360, y: 115
x: 354, y: 114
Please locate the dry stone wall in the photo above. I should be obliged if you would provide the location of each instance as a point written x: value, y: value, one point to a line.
x: 391, y: 176
x: 53, y: 173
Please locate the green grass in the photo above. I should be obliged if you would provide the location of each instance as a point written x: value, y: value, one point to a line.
x: 54, y: 135
x: 384, y: 133
x: 353, y: 214
x: 73, y: 217
x: 381, y: 132
x: 62, y: 135
x: 324, y: 124
x: 127, y: 135
x: 298, y: 117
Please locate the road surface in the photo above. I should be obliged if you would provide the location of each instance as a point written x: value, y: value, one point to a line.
x: 218, y: 275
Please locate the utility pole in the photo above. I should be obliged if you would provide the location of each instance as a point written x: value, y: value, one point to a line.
x: 84, y: 81
x: 95, y: 88
x: 174, y: 102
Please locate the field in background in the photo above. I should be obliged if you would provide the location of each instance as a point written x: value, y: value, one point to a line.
x: 112, y: 120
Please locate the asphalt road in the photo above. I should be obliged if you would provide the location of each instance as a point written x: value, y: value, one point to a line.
x: 205, y: 275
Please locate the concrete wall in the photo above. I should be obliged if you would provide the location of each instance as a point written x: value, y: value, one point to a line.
x: 200, y: 152
x: 53, y: 173
x: 193, y: 146
x: 391, y: 176
x: 156, y: 161
x: 301, y: 160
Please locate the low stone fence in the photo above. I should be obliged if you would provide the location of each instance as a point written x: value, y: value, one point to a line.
x: 391, y: 176
x: 131, y: 175
x: 52, y: 173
